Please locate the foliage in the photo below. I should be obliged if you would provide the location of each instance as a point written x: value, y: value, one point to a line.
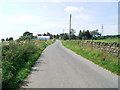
x: 72, y: 34
x: 27, y: 36
x: 24, y: 38
x: 95, y: 34
x: 108, y: 36
x: 65, y: 36
x: 56, y: 36
x: 87, y: 34
x: 7, y: 39
x: 48, y: 34
x: 80, y: 35
x: 2, y: 40
x: 27, y: 33
x: 11, y: 39
x: 17, y: 59
x: 107, y: 40
x: 105, y: 60
x: 84, y: 35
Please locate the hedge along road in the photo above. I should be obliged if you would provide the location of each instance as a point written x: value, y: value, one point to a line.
x: 59, y: 67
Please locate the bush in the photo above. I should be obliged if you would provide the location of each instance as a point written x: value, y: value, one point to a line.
x: 17, y: 59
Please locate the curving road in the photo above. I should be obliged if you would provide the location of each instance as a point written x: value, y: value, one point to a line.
x: 59, y: 67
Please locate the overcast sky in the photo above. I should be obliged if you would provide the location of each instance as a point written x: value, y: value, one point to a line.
x: 53, y: 17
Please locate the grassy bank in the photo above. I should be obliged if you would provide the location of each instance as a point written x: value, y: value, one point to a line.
x: 107, y: 40
x: 102, y: 59
x: 17, y: 60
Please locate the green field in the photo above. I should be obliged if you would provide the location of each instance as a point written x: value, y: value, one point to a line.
x: 108, y: 40
x: 104, y: 60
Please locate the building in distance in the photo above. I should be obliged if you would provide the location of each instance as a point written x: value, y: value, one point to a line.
x: 41, y: 37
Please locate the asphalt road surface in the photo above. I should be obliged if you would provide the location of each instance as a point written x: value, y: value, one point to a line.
x: 59, y: 67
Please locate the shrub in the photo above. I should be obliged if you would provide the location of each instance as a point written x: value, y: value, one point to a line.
x: 17, y: 59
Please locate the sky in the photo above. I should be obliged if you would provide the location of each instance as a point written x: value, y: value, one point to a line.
x: 53, y: 16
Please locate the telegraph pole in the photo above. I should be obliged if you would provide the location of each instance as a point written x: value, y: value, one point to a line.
x: 70, y: 27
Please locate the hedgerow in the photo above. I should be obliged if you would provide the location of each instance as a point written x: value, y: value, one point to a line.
x: 17, y: 60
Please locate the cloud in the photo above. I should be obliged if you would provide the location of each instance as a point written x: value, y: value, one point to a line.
x: 21, y: 19
x: 73, y: 9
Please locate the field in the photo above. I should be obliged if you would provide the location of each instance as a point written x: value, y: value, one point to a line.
x: 107, y: 40
x: 104, y: 60
x: 17, y: 60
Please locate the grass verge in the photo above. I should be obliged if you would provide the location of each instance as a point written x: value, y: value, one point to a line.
x: 108, y: 40
x: 104, y: 60
x: 17, y: 60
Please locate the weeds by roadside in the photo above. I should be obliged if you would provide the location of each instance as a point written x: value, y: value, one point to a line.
x: 105, y: 60
x: 17, y: 60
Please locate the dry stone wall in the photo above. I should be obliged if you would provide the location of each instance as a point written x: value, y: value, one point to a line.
x: 110, y: 48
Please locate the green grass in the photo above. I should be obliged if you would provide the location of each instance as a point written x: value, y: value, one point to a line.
x: 110, y: 63
x: 17, y: 60
x: 108, y: 40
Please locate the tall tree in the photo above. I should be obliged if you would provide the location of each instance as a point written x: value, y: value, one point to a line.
x: 26, y: 33
x: 2, y: 40
x: 57, y: 36
x: 65, y: 36
x: 61, y: 35
x: 7, y: 39
x: 88, y: 35
x: 48, y: 34
x: 80, y: 35
x: 11, y: 39
x: 44, y: 34
x: 72, y: 34
x: 95, y: 33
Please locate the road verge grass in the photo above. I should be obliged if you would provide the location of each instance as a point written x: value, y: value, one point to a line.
x: 17, y: 60
x: 104, y: 60
x: 107, y: 40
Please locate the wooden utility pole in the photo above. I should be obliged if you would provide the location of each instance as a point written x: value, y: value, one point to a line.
x: 70, y: 27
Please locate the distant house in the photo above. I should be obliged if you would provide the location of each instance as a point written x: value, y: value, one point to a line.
x: 40, y: 37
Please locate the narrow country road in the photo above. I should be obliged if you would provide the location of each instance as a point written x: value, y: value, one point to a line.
x: 59, y: 67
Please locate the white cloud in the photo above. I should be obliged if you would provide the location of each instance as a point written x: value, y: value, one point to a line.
x: 73, y: 9
x: 21, y: 19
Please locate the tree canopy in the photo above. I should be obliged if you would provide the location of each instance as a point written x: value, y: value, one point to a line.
x: 2, y: 40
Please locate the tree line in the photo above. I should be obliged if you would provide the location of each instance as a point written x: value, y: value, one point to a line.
x: 83, y: 35
x: 28, y: 36
x: 7, y: 39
